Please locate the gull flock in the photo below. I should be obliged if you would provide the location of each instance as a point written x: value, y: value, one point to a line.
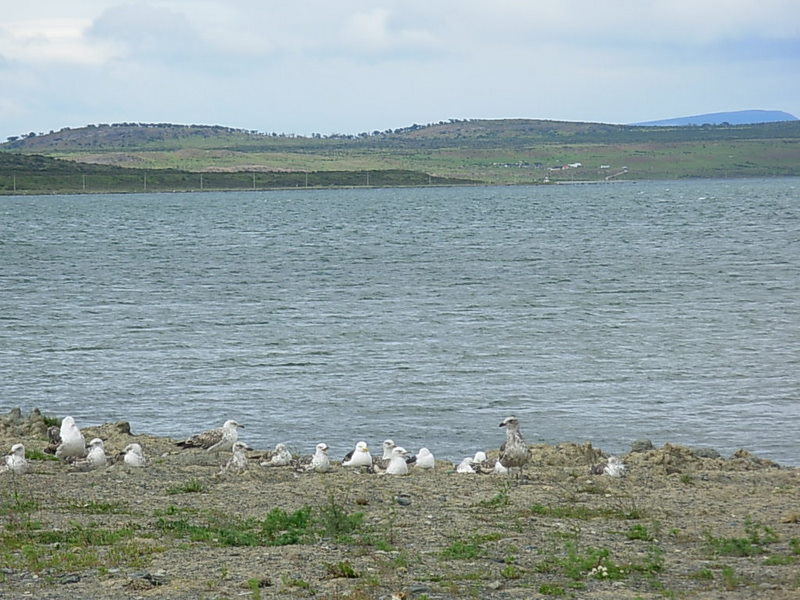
x: 68, y: 444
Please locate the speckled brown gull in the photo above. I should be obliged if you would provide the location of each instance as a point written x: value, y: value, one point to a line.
x: 215, y: 440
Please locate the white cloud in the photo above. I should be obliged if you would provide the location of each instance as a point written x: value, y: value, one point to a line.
x: 356, y: 65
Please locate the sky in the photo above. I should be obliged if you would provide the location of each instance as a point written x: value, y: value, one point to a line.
x: 350, y: 66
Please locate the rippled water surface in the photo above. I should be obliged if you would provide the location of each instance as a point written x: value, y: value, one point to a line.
x: 606, y: 313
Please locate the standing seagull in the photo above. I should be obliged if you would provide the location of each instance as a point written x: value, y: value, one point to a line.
x: 238, y: 462
x: 15, y: 461
x: 214, y: 440
x: 514, y: 452
x: 72, y: 444
x: 133, y: 456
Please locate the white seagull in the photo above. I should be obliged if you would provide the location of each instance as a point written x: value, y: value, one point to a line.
x: 614, y: 467
x: 319, y: 462
x: 133, y: 455
x: 360, y: 457
x: 95, y: 459
x: 15, y: 461
x: 425, y: 459
x: 215, y: 440
x: 280, y: 457
x: 465, y: 466
x: 72, y: 444
x: 398, y: 464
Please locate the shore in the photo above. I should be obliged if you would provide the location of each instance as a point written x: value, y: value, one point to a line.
x: 681, y: 524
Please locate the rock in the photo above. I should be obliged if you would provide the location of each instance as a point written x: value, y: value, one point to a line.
x: 642, y: 446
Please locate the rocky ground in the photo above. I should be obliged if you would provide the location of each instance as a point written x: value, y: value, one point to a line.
x: 682, y: 524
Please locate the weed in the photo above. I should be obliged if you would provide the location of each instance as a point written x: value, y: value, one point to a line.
x: 463, y: 549
x: 757, y: 536
x: 639, y: 532
x: 702, y: 575
x: 730, y: 580
x: 547, y: 589
x: 499, y: 500
x: 511, y: 571
x: 335, y: 522
x: 36, y: 454
x: 794, y: 544
x: 192, y: 486
x: 342, y: 569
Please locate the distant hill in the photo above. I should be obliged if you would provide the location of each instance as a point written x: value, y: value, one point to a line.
x: 739, y: 117
x: 466, y: 133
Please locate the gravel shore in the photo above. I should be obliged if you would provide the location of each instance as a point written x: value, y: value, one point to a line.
x: 681, y: 524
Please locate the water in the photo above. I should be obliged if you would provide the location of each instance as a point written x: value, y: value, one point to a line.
x: 607, y: 313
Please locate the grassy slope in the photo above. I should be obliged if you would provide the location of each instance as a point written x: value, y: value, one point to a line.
x: 504, y: 151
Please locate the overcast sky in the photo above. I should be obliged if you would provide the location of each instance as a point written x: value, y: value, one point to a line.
x: 347, y: 66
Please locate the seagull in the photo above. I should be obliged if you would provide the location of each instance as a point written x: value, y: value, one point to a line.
x: 514, y: 452
x: 15, y: 461
x: 615, y: 467
x: 280, y: 457
x: 484, y: 465
x: 133, y: 456
x: 319, y: 462
x: 398, y: 464
x: 95, y: 459
x: 238, y: 462
x: 360, y: 457
x: 425, y: 459
x: 465, y: 466
x: 73, y: 444
x: 214, y: 440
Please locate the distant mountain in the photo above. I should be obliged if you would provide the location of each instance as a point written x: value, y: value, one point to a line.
x: 739, y: 117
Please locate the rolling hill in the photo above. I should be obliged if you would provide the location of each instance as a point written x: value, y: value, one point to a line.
x: 504, y: 151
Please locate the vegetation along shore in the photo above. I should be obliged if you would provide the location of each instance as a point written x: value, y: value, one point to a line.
x: 147, y: 157
x: 683, y: 523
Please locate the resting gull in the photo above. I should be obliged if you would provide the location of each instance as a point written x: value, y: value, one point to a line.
x: 485, y: 465
x: 238, y: 461
x: 72, y: 444
x: 514, y: 452
x: 15, y: 461
x: 280, y: 457
x: 95, y: 459
x: 614, y: 467
x: 360, y: 457
x: 397, y: 464
x: 133, y: 456
x: 215, y: 440
x: 465, y: 466
x: 319, y: 462
x: 425, y: 459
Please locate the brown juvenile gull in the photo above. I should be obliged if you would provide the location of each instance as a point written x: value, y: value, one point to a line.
x: 15, y: 461
x: 238, y: 461
x: 514, y: 452
x: 215, y: 440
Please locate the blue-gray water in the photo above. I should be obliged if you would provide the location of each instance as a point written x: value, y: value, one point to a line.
x: 607, y: 313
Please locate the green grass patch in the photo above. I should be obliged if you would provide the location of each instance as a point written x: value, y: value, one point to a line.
x: 193, y: 486
x: 753, y: 543
x: 585, y: 513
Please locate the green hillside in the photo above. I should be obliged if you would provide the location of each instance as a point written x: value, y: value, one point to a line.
x: 508, y: 151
